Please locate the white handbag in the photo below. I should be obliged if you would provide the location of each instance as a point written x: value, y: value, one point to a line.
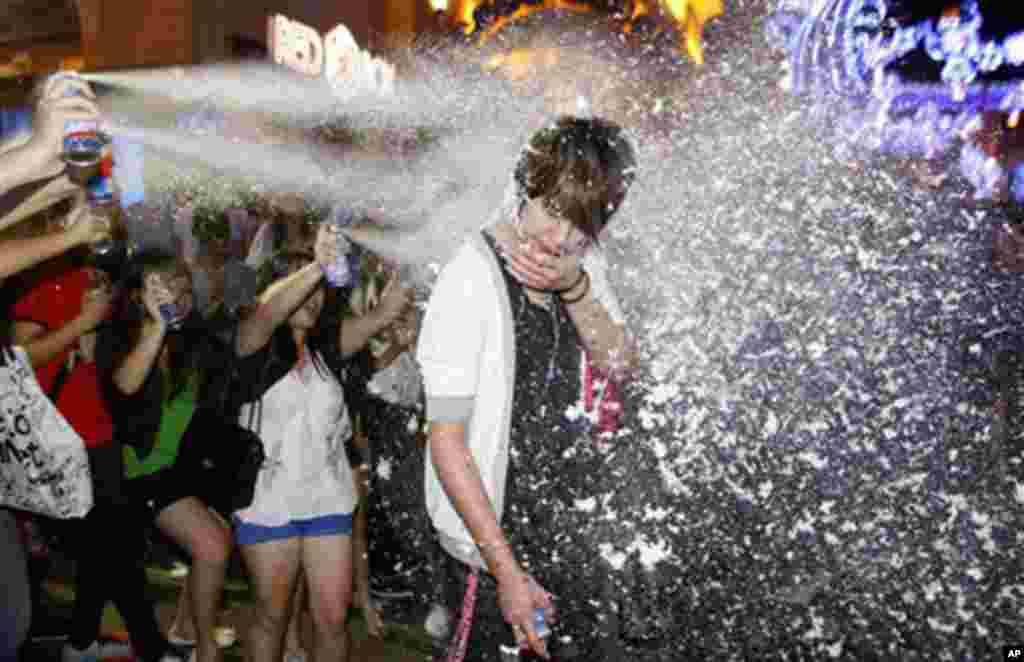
x: 44, y: 467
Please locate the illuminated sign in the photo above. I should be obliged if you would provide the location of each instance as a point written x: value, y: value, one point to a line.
x: 335, y: 56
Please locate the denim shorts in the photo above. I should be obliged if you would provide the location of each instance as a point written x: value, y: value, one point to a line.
x: 326, y: 525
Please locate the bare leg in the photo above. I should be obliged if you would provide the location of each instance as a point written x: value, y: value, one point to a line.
x: 327, y: 561
x: 360, y: 538
x: 208, y: 540
x: 361, y: 556
x: 293, y: 639
x: 273, y: 567
x: 183, y: 624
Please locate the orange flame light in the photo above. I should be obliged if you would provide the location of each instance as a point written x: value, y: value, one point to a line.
x: 689, y: 16
x: 464, y: 13
x: 523, y: 11
x: 641, y: 8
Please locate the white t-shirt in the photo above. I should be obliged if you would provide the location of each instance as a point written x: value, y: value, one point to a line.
x: 306, y: 474
x: 466, y: 352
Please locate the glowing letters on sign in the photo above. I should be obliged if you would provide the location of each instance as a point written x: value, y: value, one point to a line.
x: 349, y: 69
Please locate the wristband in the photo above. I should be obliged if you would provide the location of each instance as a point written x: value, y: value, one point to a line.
x: 586, y: 290
x: 583, y: 272
x: 484, y: 546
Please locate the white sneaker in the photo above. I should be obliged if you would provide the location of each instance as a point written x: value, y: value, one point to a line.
x: 178, y: 640
x: 178, y: 570
x: 96, y: 652
x: 225, y: 636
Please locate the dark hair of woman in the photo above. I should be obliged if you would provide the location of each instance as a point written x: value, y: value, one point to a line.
x: 322, y: 340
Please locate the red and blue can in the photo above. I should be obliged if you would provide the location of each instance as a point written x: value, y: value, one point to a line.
x: 83, y: 142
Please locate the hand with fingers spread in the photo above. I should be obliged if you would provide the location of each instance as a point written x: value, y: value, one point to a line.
x: 54, y: 109
x: 154, y: 295
x: 519, y: 596
x: 537, y: 268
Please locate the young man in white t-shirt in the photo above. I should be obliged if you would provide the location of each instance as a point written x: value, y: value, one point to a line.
x: 511, y: 320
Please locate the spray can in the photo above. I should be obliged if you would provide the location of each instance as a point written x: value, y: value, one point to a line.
x: 338, y: 273
x: 540, y: 626
x: 83, y: 142
x: 172, y: 315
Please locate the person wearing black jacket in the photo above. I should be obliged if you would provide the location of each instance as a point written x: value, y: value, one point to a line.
x: 158, y: 366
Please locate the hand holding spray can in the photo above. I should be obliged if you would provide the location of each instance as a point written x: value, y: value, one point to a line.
x: 88, y: 155
x: 336, y: 267
x: 523, y: 652
x: 540, y: 623
x: 172, y: 313
x: 83, y: 142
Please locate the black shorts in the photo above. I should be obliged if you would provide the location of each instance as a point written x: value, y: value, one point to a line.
x: 156, y: 491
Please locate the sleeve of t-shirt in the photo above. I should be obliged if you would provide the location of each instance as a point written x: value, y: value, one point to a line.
x: 452, y: 338
x: 36, y: 305
x: 247, y: 374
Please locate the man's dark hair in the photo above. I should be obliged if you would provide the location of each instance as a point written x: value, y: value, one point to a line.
x: 580, y: 169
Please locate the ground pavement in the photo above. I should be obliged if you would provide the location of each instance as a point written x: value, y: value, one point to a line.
x: 403, y: 641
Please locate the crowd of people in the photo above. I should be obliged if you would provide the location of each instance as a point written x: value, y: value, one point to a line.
x: 387, y: 440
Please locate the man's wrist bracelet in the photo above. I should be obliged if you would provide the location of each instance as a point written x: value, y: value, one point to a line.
x: 577, y: 299
x: 575, y: 283
x: 489, y: 547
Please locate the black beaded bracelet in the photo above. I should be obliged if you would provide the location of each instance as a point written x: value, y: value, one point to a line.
x: 583, y: 272
x: 584, y: 293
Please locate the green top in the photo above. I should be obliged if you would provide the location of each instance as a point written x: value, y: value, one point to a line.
x: 177, y: 413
